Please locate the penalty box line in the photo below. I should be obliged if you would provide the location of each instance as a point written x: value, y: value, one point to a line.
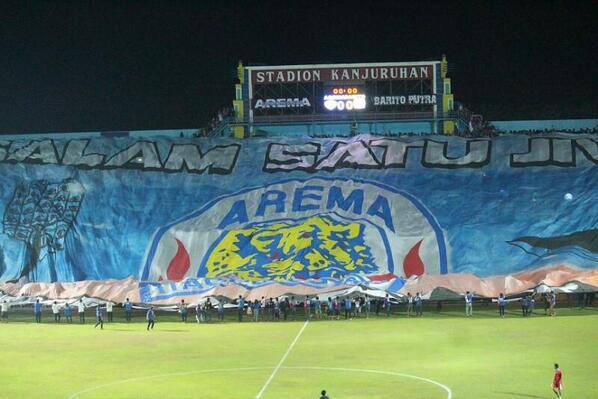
x: 284, y: 357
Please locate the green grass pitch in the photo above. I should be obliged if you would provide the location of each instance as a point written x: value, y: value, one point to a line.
x: 479, y: 357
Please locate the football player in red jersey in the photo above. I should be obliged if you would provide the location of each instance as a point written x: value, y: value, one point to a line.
x: 557, y: 382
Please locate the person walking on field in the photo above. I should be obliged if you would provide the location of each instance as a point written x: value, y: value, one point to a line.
x: 468, y: 304
x: 99, y: 319
x: 149, y: 316
x: 557, y: 382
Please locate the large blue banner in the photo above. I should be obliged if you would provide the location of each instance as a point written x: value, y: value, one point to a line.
x: 295, y: 210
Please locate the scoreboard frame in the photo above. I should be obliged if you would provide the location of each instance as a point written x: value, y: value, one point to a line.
x: 296, y: 92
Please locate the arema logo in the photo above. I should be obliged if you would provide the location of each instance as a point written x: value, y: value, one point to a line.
x: 301, y: 231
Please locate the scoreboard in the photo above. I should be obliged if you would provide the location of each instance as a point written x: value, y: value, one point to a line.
x: 341, y: 89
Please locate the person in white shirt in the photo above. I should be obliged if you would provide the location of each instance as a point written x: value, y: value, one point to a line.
x: 4, y: 313
x: 409, y: 304
x: 109, y: 307
x: 56, y: 312
x: 81, y: 311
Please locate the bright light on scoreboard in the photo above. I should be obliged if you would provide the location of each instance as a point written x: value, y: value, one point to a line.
x: 344, y: 98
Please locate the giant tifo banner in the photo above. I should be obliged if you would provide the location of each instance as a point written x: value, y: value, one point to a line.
x: 180, y: 218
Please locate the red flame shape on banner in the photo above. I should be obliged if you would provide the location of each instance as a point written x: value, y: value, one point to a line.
x: 179, y: 265
x: 413, y: 264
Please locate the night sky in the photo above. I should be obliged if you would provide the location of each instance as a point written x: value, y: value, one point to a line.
x: 71, y: 66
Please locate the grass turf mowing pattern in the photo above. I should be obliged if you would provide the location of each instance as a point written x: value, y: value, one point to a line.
x: 479, y: 357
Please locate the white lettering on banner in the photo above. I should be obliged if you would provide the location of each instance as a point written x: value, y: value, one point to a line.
x: 413, y: 99
x: 282, y: 103
x: 343, y: 74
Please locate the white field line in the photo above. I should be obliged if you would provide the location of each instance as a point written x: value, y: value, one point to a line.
x: 446, y: 388
x: 241, y: 369
x: 284, y: 357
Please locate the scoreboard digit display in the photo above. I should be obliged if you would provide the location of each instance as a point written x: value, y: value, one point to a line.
x: 310, y: 91
x: 344, y: 98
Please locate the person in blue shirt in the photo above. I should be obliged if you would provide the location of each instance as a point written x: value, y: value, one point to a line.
x: 150, y: 318
x: 418, y: 305
x: 128, y: 309
x: 99, y: 319
x: 37, y: 310
x: 501, y: 305
x: 468, y: 304
x: 68, y: 313
x: 348, y: 307
x: 240, y: 307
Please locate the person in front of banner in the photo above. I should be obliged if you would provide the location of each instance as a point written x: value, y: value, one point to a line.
x: 240, y: 307
x: 285, y: 308
x: 128, y: 310
x: 149, y: 316
x: 81, y: 311
x: 368, y: 306
x: 99, y: 318
x: 348, y: 308
x: 387, y: 305
x: 109, y: 309
x: 4, y: 313
x: 501, y: 305
x: 56, y: 312
x: 468, y: 304
x: 183, y: 310
x: 552, y: 303
x: 293, y: 308
x: 37, y: 310
x: 208, y: 310
x: 409, y: 304
x: 68, y: 313
x: 221, y: 310
x: 418, y: 304
x: 198, y: 316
